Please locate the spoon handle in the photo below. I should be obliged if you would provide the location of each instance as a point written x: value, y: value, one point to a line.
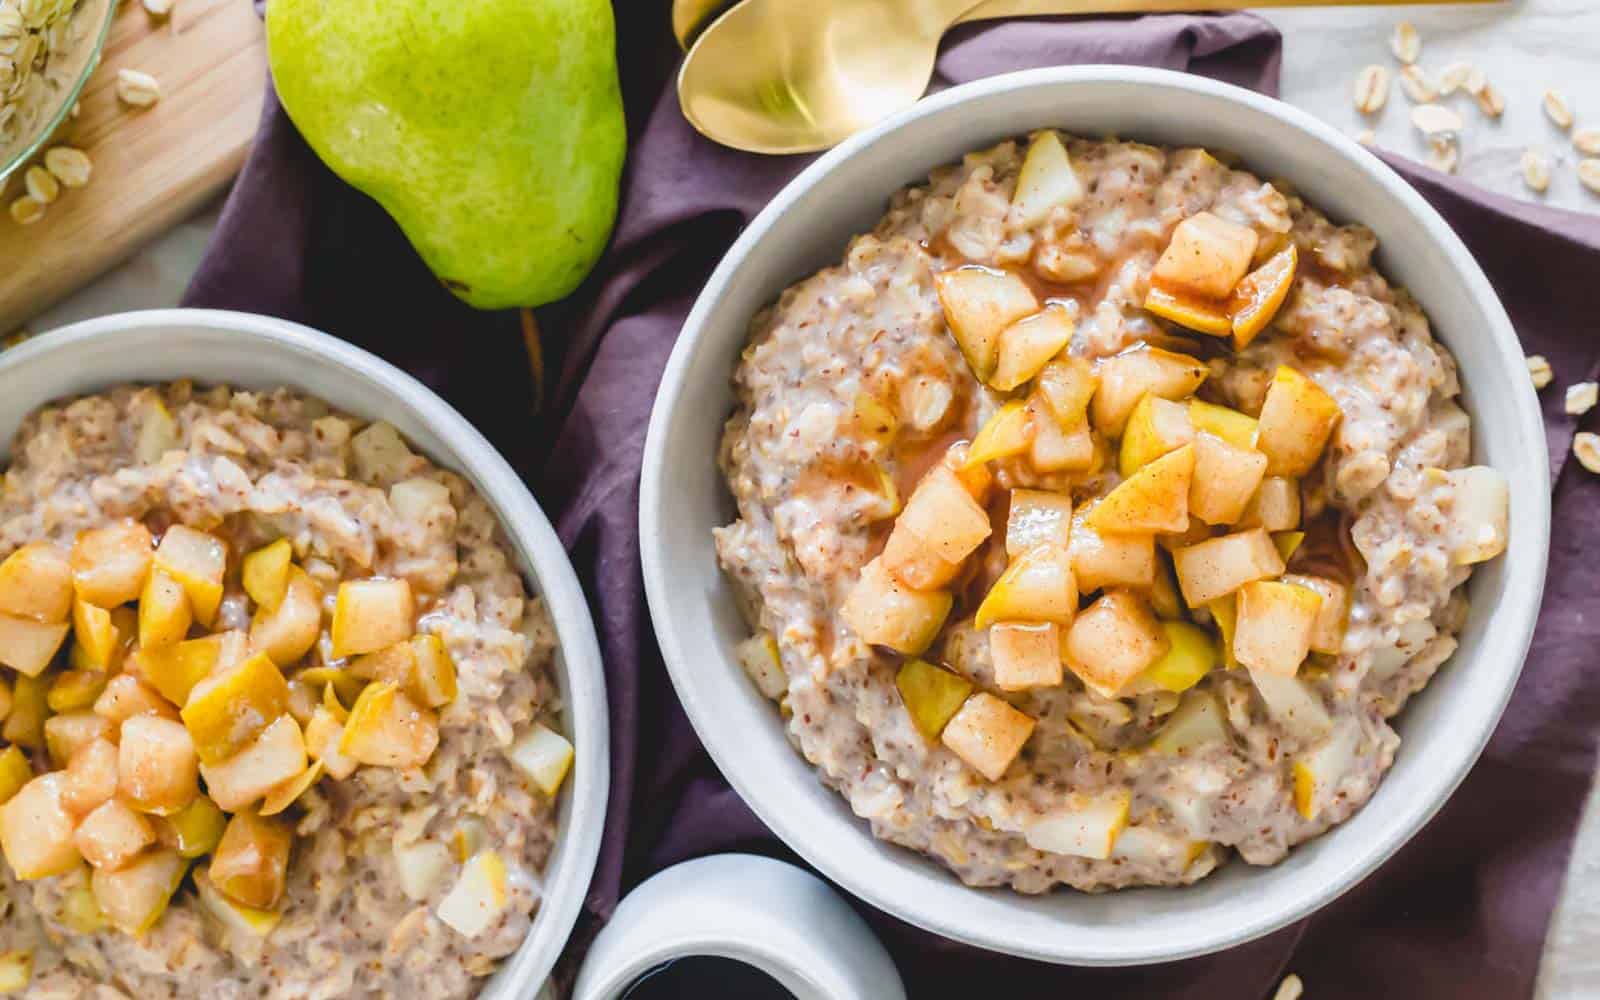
x: 1037, y: 8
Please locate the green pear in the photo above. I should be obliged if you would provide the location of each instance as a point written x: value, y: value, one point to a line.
x: 491, y: 130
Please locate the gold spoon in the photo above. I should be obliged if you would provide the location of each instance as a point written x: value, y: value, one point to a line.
x: 796, y: 76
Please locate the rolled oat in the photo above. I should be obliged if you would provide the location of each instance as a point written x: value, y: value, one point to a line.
x: 137, y: 89
x: 1290, y: 989
x: 1405, y: 43
x: 1454, y: 77
x: 1556, y: 109
x: 1539, y: 370
x: 1490, y: 101
x: 1416, y: 84
x: 70, y: 166
x: 1586, y: 447
x: 1581, y: 397
x: 41, y: 184
x: 1587, y: 141
x: 1372, y: 89
x: 27, y: 210
x: 1535, y: 170
x: 1436, y: 119
x: 1589, y: 174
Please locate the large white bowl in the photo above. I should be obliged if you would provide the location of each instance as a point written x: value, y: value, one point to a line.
x: 260, y: 352
x: 807, y: 226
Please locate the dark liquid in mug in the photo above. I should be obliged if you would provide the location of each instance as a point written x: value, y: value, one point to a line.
x: 701, y: 976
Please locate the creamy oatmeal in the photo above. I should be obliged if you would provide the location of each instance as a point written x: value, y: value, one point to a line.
x: 276, y: 710
x: 1097, y: 513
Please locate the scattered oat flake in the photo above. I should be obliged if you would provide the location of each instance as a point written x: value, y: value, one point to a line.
x: 137, y: 89
x: 1557, y: 110
x: 27, y: 210
x: 1453, y: 77
x: 1589, y: 174
x: 1367, y: 137
x: 1290, y: 989
x: 68, y: 165
x: 1443, y: 154
x: 1535, y: 170
x: 157, y: 8
x: 1581, y: 397
x: 42, y: 186
x: 1405, y: 43
x: 1416, y: 85
x: 1539, y: 370
x: 1476, y: 81
x: 1586, y: 446
x: 1435, y: 119
x: 1490, y: 101
x: 1372, y: 89
x: 1587, y: 141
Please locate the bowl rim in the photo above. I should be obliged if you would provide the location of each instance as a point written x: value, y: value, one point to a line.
x: 852, y: 870
x: 52, y: 122
x: 528, y: 530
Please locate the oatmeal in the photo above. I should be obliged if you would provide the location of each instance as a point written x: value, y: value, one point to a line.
x: 1097, y: 513
x: 276, y: 710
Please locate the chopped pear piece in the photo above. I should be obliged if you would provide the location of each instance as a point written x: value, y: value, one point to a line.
x: 228, y: 711
x: 1036, y: 517
x: 1274, y: 506
x: 1191, y: 654
x: 1154, y: 499
x: 164, y: 611
x: 1296, y: 419
x: 979, y: 303
x: 943, y: 514
x: 36, y: 830
x: 112, y: 835
x: 1085, y: 826
x: 371, y: 614
x: 28, y: 646
x: 1259, y: 295
x: 1155, y: 427
x: 345, y: 685
x: 1029, y: 343
x: 392, y: 663
x: 275, y: 757
x: 1051, y: 449
x: 323, y: 735
x: 1327, y: 631
x: 16, y: 971
x: 1004, y: 434
x: 1218, y: 566
x: 759, y: 657
x: 1038, y: 586
x: 135, y: 897
x: 1273, y: 630
x: 109, y: 564
x: 1163, y: 592
x: 80, y: 911
x: 912, y: 561
x: 987, y: 733
x: 281, y: 797
x: 96, y: 635
x: 252, y: 863
x: 287, y: 632
x: 126, y: 696
x: 1045, y: 182
x: 1288, y: 542
x: 423, y: 867
x: 388, y: 729
x: 197, y: 561
x: 883, y: 612
x: 1100, y: 561
x: 75, y: 689
x: 36, y: 583
x: 158, y: 770
x: 433, y: 681
x: 1194, y: 313
x: 1225, y: 612
x: 976, y: 478
x: 1068, y: 384
x: 265, y: 573
x: 931, y: 694
x: 1226, y: 478
x: 1293, y: 704
x: 176, y: 670
x: 65, y: 735
x: 1126, y: 377
x: 1197, y: 721
x: 30, y: 707
x: 479, y: 897
x: 1228, y: 424
x: 420, y: 499
x: 1478, y: 514
x: 196, y: 829
x: 545, y: 756
x: 235, y: 916
x: 1317, y: 774
x: 1025, y: 654
x: 1113, y: 640
x: 876, y: 421
x: 1207, y: 256
x: 5, y: 699
x: 157, y: 433
x: 15, y: 771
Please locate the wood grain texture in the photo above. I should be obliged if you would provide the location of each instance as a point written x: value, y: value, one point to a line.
x: 151, y: 167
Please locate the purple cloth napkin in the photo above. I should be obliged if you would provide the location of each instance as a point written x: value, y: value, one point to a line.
x: 1461, y: 912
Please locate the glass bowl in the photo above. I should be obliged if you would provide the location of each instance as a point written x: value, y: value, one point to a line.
x: 91, y: 25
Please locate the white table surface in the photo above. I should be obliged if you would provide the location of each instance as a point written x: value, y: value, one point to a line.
x: 1524, y: 47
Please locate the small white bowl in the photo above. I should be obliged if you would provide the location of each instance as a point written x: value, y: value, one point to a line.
x: 807, y: 226
x: 260, y: 352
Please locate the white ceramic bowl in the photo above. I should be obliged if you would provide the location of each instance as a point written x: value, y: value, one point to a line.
x: 807, y: 226
x: 260, y: 352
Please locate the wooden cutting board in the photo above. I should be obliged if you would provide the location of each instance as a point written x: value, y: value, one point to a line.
x: 151, y: 167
